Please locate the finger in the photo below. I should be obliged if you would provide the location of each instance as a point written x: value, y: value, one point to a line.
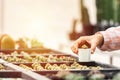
x: 75, y: 48
x: 93, y: 47
x: 77, y: 44
x: 81, y: 41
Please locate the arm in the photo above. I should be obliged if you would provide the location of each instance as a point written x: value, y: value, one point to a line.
x: 111, y: 39
x: 105, y: 40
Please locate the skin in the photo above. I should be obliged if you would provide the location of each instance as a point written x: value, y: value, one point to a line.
x: 92, y: 42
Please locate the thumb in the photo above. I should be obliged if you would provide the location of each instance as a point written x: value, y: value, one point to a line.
x: 93, y: 47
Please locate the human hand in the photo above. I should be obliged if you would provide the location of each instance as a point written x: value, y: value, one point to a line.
x: 92, y: 42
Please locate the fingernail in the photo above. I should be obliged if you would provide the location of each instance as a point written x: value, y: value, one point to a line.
x: 92, y: 51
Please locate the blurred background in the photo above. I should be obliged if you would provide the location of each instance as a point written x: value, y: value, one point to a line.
x: 49, y: 20
x: 58, y: 23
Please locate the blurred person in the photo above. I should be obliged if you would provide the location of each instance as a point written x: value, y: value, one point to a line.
x: 108, y: 40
